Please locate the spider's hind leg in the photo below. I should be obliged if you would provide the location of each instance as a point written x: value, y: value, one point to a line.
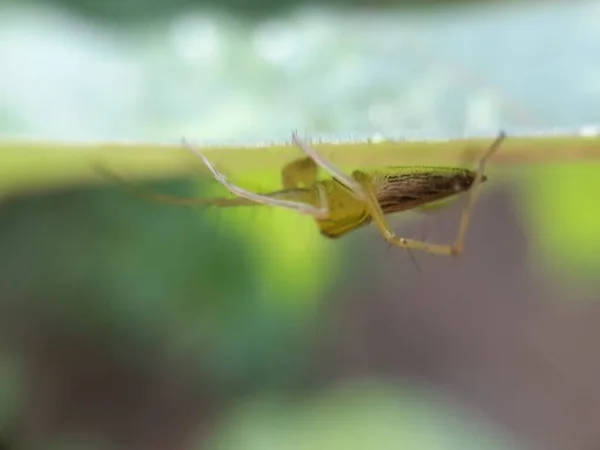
x: 318, y: 212
x: 474, y: 192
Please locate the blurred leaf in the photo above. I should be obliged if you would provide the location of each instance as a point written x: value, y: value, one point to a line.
x: 364, y: 415
x: 143, y: 278
x: 560, y: 202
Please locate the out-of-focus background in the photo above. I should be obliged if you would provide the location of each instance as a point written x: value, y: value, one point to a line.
x: 130, y: 325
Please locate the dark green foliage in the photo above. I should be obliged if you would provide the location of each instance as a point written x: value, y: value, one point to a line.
x: 144, y: 280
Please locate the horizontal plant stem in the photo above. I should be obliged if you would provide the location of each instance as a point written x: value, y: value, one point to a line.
x: 33, y: 166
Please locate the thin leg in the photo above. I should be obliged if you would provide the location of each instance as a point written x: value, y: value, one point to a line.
x: 474, y: 192
x: 320, y: 212
x: 342, y: 177
x: 158, y: 197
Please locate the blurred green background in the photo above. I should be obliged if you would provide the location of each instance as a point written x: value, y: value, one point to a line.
x: 128, y: 324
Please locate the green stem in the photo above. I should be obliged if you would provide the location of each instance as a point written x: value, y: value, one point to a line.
x: 29, y: 166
